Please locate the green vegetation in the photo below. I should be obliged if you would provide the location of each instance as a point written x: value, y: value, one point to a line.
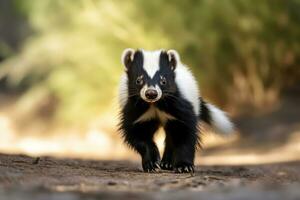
x: 249, y: 48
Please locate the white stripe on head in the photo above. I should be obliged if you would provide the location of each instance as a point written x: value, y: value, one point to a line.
x: 151, y: 62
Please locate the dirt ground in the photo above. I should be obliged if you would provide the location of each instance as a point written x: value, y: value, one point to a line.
x: 47, y: 178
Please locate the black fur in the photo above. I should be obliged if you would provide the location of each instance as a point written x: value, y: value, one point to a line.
x: 181, y: 134
x: 204, y: 114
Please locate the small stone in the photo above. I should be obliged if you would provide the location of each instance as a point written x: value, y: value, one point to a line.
x: 36, y: 161
x: 111, y: 183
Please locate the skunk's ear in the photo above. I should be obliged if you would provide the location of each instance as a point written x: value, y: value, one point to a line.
x: 174, y: 58
x: 127, y: 57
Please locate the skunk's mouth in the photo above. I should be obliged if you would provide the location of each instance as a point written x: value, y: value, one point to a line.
x: 151, y: 94
x: 150, y: 101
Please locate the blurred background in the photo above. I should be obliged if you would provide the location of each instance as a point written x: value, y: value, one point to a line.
x: 60, y: 67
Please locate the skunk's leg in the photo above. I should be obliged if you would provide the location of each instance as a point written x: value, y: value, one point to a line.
x: 139, y: 136
x: 167, y: 159
x: 184, y: 137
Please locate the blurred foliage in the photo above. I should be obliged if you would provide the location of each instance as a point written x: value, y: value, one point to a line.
x: 243, y: 52
x: 13, y: 27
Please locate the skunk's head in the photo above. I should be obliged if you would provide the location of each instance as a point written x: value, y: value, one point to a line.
x: 150, y: 74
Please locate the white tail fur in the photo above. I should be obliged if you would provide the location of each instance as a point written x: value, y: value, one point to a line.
x: 219, y: 120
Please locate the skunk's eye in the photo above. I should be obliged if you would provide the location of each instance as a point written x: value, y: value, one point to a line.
x: 139, y: 81
x: 163, y: 80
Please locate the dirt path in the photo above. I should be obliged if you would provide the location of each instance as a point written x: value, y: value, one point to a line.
x: 23, y: 177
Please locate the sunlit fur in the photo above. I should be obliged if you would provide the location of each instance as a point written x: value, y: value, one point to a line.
x: 178, y: 108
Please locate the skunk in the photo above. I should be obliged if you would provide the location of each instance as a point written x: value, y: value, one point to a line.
x: 157, y: 90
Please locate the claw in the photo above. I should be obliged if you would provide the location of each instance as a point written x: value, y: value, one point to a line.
x: 180, y: 170
x: 192, y: 169
x: 186, y: 169
x: 157, y: 165
x: 151, y: 167
x: 166, y: 166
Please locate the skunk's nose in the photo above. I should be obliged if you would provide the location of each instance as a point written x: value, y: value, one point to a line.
x: 151, y: 94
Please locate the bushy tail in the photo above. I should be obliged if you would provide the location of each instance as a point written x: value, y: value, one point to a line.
x: 215, y: 118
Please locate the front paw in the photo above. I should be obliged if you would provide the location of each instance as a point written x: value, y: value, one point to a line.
x: 184, y: 167
x: 150, y: 166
